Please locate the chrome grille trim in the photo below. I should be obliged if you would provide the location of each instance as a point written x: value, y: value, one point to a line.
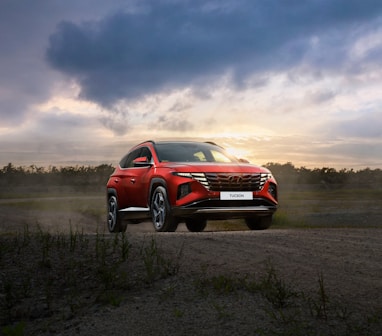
x: 201, y: 178
x: 235, y: 181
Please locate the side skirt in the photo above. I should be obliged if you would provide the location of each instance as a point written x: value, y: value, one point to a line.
x: 135, y: 213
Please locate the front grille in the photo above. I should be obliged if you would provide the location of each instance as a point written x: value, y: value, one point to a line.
x: 235, y: 181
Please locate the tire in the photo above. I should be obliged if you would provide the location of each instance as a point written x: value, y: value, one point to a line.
x: 114, y: 221
x: 161, y: 216
x: 196, y: 225
x: 259, y: 223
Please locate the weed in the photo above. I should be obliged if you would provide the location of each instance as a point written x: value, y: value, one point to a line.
x: 125, y: 247
x: 221, y: 310
x: 26, y: 285
x: 112, y: 298
x: 275, y: 290
x: 167, y: 292
x: 13, y: 330
x: 8, y: 298
x: 156, y: 265
x: 223, y: 284
x: 290, y: 322
x: 107, y: 274
x: 319, y: 308
x: 26, y: 236
x: 178, y: 313
x: 220, y: 283
x: 102, y: 248
x: 73, y: 239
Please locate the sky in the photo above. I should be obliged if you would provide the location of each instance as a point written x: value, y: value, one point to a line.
x: 300, y: 81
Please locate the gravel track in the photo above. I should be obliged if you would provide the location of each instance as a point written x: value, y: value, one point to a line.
x: 349, y: 261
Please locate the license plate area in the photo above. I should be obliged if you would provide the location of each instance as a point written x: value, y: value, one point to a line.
x: 236, y: 195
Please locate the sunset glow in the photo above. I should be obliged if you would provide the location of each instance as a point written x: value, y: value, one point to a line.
x: 82, y: 83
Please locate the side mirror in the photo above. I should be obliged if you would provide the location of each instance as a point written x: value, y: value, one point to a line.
x: 142, y: 162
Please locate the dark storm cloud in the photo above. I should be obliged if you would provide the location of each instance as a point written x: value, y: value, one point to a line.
x: 170, y: 44
x: 19, y: 70
x: 25, y: 78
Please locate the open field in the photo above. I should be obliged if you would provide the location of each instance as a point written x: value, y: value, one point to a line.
x: 64, y: 209
x: 317, y: 271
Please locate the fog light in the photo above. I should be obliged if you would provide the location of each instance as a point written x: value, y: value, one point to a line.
x: 272, y: 189
x: 183, y: 190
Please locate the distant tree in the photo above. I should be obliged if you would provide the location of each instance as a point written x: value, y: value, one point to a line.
x: 95, y: 177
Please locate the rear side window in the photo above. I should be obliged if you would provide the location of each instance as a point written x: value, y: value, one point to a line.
x: 127, y: 160
x: 146, y: 153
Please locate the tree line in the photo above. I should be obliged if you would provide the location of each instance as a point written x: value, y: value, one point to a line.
x: 77, y: 176
x: 286, y: 174
x: 289, y: 175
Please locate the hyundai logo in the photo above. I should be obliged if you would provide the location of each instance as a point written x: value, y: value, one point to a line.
x: 235, y: 179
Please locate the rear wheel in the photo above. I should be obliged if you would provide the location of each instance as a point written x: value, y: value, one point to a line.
x: 259, y: 223
x: 162, y: 219
x: 196, y: 225
x: 114, y: 221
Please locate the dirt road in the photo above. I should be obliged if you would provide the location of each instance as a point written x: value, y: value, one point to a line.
x: 348, y: 261
x: 325, y: 282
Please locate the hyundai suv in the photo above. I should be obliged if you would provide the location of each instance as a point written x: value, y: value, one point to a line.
x: 181, y: 181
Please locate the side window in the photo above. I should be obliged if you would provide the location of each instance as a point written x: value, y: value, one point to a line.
x: 219, y: 157
x: 199, y: 156
x: 146, y: 153
x: 127, y: 161
x: 122, y: 163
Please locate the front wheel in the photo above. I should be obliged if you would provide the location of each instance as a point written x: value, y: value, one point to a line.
x: 114, y: 221
x: 162, y: 219
x: 196, y: 225
x: 259, y: 223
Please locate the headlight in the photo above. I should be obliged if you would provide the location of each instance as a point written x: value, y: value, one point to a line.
x: 264, y: 177
x: 200, y: 177
x: 189, y: 175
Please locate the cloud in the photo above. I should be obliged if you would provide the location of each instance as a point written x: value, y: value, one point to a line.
x: 177, y: 124
x: 307, y: 71
x: 117, y: 121
x: 54, y: 136
x: 167, y: 45
x: 320, y: 97
x: 369, y: 125
x: 25, y: 77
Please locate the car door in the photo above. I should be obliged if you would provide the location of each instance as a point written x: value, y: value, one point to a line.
x: 135, y: 178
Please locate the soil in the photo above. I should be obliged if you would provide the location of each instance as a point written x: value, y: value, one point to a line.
x: 333, y: 276
x: 349, y: 262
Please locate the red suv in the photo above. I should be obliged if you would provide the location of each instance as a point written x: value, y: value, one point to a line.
x: 180, y: 181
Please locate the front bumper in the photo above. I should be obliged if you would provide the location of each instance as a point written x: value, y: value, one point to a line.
x: 217, y: 209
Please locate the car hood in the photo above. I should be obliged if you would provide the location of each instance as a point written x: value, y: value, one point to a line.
x: 203, y: 167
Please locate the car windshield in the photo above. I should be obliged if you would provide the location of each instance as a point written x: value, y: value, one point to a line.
x: 192, y: 152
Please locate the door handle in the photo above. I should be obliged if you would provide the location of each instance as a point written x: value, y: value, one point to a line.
x: 132, y: 180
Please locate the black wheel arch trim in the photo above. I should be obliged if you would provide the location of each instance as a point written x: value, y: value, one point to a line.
x: 155, y: 182
x: 111, y: 191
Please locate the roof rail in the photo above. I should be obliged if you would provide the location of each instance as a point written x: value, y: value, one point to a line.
x: 213, y: 143
x: 152, y: 141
